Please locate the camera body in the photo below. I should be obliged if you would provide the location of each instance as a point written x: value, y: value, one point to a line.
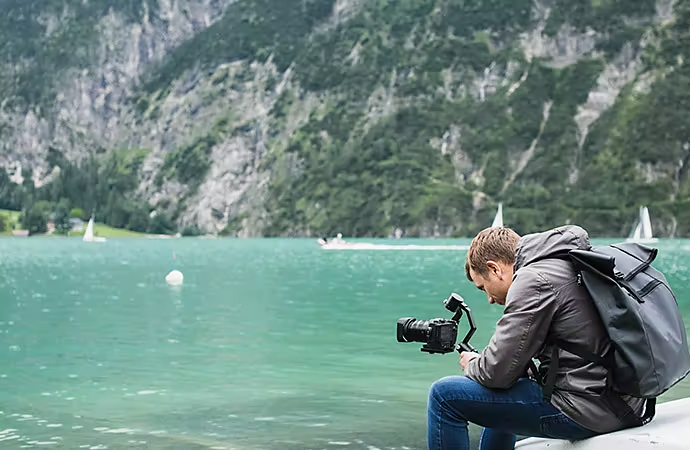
x: 438, y: 335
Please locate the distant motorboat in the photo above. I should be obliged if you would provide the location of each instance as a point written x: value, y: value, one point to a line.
x: 338, y: 243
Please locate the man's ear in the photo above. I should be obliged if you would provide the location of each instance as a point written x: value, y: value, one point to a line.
x: 494, y: 268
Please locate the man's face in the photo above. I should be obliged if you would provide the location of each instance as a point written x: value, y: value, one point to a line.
x: 496, y: 282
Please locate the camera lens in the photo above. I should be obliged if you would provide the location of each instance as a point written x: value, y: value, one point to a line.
x: 413, y: 330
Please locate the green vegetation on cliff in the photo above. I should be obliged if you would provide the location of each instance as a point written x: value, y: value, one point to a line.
x: 40, y: 39
x: 370, y: 181
x: 102, y: 184
x: 431, y: 112
x: 639, y: 151
x: 250, y: 29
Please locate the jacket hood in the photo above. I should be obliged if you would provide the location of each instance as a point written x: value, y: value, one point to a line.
x: 532, y: 247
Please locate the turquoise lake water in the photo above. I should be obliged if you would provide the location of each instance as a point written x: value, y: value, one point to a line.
x: 269, y: 344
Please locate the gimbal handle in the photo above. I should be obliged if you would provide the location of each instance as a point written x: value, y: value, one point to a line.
x: 465, y: 345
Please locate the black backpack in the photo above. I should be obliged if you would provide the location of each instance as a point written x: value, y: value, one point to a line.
x: 649, y: 352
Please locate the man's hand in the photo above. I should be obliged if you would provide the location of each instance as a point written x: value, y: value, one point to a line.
x: 466, y: 357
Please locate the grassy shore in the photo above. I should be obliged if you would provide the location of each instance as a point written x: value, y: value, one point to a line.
x: 105, y: 231
x: 99, y: 229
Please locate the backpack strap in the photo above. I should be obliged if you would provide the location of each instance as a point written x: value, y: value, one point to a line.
x: 626, y: 413
x: 551, y: 371
x: 532, y: 367
x: 575, y: 349
x: 646, y: 257
x: 650, y: 411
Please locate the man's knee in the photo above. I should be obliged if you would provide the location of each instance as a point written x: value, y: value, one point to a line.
x: 451, y: 388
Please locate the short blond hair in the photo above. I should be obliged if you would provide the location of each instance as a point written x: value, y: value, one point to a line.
x: 491, y: 244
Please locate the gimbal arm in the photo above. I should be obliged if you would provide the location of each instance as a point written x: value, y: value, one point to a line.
x: 465, y: 345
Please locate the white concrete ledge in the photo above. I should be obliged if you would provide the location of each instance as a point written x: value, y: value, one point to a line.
x: 669, y: 430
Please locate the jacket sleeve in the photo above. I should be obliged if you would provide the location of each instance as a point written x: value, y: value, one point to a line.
x: 520, y: 332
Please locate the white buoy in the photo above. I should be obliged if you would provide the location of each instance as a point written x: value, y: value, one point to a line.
x: 174, y: 278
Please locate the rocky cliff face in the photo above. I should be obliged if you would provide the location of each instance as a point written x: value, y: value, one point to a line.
x: 245, y: 108
x: 90, y: 107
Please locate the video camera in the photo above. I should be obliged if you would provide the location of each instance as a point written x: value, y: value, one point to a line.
x: 439, y: 335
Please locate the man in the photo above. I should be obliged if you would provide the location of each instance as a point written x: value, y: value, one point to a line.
x: 542, y: 301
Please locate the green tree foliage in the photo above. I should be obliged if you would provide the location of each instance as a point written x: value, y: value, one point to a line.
x: 11, y: 194
x: 61, y: 216
x: 35, y: 218
x: 103, y: 185
x: 78, y: 213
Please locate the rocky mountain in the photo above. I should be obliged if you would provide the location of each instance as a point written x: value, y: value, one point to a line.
x: 311, y: 117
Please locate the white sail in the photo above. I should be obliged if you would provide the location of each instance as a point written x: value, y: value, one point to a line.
x: 498, y: 219
x: 88, y: 235
x: 646, y: 223
x: 642, y: 231
x: 636, y: 233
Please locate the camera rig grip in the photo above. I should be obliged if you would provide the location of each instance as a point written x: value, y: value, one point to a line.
x: 461, y: 306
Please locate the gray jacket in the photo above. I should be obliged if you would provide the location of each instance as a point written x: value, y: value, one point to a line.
x: 544, y: 302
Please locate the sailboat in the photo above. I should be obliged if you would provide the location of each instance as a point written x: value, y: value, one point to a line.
x: 498, y: 219
x: 642, y: 231
x: 88, y: 235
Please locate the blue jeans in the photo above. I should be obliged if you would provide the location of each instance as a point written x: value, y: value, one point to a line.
x: 456, y: 400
